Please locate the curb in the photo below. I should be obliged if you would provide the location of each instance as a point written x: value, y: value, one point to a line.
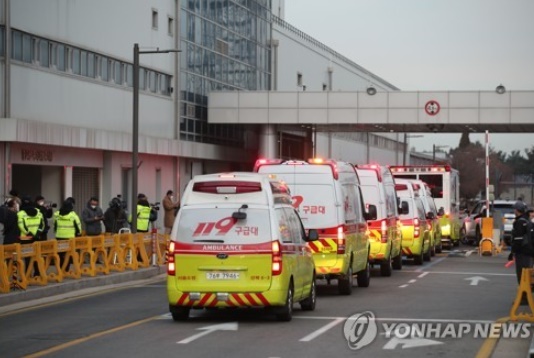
x: 77, y: 287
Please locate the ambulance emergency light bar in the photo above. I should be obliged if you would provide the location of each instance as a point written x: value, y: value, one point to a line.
x: 315, y: 161
x: 420, y: 169
x: 374, y: 167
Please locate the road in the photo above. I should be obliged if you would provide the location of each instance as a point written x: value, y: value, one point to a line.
x: 455, y: 288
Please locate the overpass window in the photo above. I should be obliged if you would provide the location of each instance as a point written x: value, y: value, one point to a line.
x: 129, y: 75
x: 104, y: 69
x: 44, y: 53
x: 27, y: 48
x: 2, y: 45
x: 60, y: 57
x: 76, y: 61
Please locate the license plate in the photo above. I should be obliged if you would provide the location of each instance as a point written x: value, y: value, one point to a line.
x: 222, y: 275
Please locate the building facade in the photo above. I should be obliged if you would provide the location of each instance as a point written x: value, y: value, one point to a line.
x: 66, y: 88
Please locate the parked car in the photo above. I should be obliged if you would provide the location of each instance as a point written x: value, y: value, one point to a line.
x: 500, y: 210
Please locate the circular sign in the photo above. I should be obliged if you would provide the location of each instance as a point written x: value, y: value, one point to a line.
x: 432, y: 107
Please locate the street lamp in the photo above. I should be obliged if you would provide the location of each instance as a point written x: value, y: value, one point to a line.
x: 437, y: 148
x: 406, y: 136
x: 135, y: 126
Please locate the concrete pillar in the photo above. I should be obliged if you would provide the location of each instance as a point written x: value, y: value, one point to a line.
x: 67, y: 177
x: 268, y: 139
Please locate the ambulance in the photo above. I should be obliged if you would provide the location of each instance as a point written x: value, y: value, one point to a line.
x: 444, y: 184
x: 327, y: 195
x: 238, y: 242
x: 378, y: 188
x: 416, y: 240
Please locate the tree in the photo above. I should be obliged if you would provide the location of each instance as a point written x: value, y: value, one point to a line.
x: 464, y: 140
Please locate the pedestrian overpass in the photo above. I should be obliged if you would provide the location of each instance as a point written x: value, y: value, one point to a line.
x: 498, y: 111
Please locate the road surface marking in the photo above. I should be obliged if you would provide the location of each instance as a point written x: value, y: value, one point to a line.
x: 421, y: 269
x: 405, y: 320
x: 412, y: 281
x: 230, y: 326
x: 423, y: 274
x: 322, y: 330
x: 462, y: 273
x: 88, y: 338
x: 403, y: 286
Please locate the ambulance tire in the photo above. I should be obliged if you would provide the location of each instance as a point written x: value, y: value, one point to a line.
x: 344, y: 284
x: 386, y: 266
x: 285, y: 312
x: 179, y: 313
x: 308, y: 304
x: 364, y: 276
x: 397, y: 262
x: 418, y: 259
x: 439, y: 248
x: 427, y: 256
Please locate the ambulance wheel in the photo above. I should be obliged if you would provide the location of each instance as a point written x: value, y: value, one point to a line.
x: 344, y: 285
x: 418, y: 259
x: 397, y: 262
x: 385, y: 267
x: 427, y: 256
x: 285, y: 313
x: 179, y: 313
x: 439, y: 248
x: 364, y: 276
x: 308, y: 304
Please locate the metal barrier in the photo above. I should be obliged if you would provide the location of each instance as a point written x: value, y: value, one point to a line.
x: 54, y: 260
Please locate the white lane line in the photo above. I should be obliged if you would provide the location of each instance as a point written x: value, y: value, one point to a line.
x: 462, y: 273
x: 430, y: 320
x: 412, y: 281
x: 403, y: 286
x: 435, y: 262
x: 322, y: 330
x: 423, y: 274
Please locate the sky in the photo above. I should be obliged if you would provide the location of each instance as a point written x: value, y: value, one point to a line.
x: 431, y: 45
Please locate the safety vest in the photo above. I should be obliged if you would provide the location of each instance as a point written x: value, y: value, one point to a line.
x: 30, y: 224
x: 143, y: 217
x: 67, y: 225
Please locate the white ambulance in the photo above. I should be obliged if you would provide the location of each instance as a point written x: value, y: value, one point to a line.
x: 327, y: 196
x: 238, y: 242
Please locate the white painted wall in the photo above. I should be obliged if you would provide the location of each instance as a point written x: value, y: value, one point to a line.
x: 64, y: 99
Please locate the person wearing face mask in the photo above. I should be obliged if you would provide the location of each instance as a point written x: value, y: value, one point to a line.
x: 47, y: 211
x: 171, y: 207
x: 92, y: 216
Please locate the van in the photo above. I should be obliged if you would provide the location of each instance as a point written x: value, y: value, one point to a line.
x: 238, y: 242
x: 327, y: 195
x: 431, y: 213
x: 378, y: 188
x: 415, y: 240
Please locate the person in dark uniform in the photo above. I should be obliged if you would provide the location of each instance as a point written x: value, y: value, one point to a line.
x: 522, y: 259
x: 8, y: 218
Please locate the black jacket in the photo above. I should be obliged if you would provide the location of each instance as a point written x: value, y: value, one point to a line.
x: 519, y: 230
x: 11, y: 230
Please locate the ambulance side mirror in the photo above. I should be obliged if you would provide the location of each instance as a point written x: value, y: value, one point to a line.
x: 371, y: 213
x: 404, y: 208
x: 313, y: 235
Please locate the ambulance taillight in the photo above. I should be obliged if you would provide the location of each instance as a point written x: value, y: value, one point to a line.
x: 341, y: 242
x: 276, y: 266
x: 171, y: 268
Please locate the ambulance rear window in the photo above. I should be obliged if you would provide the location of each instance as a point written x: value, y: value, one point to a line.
x: 227, y: 187
x: 216, y: 225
